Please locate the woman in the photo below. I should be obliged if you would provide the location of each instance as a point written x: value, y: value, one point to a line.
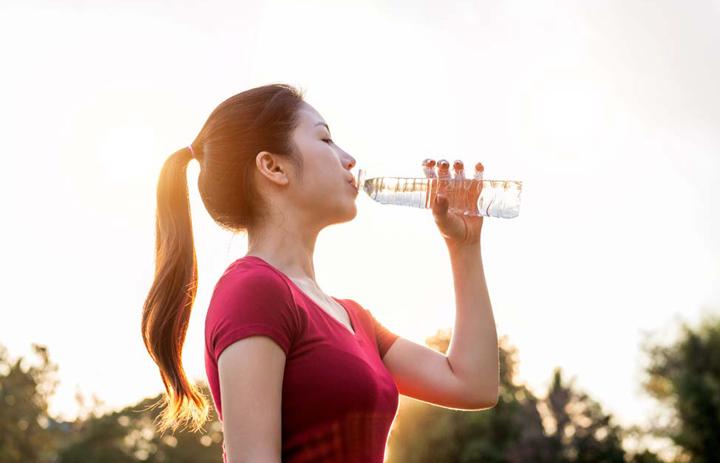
x: 297, y: 375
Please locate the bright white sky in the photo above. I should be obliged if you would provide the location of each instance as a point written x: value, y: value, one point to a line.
x: 608, y: 112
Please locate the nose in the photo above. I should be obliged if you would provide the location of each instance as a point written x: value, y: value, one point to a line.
x: 348, y: 161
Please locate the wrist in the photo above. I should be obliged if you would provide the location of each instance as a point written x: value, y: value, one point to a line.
x: 463, y: 248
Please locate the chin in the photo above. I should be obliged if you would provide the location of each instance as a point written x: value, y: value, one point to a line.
x: 340, y: 212
x: 352, y: 213
x: 348, y: 214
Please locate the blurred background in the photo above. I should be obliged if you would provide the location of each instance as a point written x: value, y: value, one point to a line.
x: 605, y: 289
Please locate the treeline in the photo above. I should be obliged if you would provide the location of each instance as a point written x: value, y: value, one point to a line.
x: 564, y: 426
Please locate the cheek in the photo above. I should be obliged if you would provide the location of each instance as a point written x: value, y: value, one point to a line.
x: 317, y: 187
x: 320, y: 175
x: 321, y: 179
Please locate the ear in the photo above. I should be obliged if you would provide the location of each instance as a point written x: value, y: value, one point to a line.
x: 272, y: 167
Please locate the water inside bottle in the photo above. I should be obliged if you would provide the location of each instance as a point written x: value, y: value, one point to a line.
x: 487, y: 198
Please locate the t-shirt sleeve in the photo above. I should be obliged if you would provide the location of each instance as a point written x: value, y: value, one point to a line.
x: 251, y: 301
x: 383, y: 336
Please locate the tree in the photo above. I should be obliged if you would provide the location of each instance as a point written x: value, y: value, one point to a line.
x: 573, y: 427
x: 585, y: 433
x: 685, y: 377
x: 24, y: 392
x: 130, y: 435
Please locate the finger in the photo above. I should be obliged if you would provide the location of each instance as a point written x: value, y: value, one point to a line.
x: 459, y: 170
x: 479, y: 171
x: 444, y: 177
x: 430, y: 174
x: 443, y: 169
x: 478, y: 175
x: 440, y: 208
x: 429, y: 168
x: 478, y: 180
x: 459, y: 184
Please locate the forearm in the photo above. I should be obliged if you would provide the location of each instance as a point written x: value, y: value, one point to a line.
x: 473, y: 351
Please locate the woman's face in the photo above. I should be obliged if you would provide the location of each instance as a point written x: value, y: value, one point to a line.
x: 322, y: 194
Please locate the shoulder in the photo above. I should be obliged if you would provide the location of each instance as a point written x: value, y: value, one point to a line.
x: 250, y: 295
x: 251, y: 299
x: 251, y: 283
x: 368, y: 315
x: 251, y: 275
x: 354, y: 304
x: 362, y: 311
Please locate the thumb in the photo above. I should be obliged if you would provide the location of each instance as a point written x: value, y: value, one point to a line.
x: 440, y: 207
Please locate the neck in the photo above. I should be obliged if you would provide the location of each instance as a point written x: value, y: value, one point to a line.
x: 288, y: 249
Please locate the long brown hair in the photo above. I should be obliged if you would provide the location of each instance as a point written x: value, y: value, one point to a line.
x: 259, y: 119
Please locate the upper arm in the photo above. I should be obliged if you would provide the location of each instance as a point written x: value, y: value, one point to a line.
x: 251, y: 326
x: 425, y: 374
x: 251, y: 376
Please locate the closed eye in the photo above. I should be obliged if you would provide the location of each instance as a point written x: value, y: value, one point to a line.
x: 327, y: 140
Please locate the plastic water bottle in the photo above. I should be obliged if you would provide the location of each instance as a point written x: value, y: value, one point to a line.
x: 472, y: 197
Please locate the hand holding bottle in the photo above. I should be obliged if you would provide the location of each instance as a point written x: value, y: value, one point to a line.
x: 466, y: 197
x: 456, y: 229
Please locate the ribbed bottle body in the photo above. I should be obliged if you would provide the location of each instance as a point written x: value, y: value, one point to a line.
x: 487, y: 198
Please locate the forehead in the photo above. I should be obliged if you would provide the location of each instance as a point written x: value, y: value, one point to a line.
x: 309, y: 116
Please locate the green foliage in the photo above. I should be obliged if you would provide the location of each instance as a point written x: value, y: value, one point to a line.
x: 29, y: 435
x: 566, y: 426
x: 130, y: 435
x: 575, y: 430
x: 685, y: 376
x: 23, y: 408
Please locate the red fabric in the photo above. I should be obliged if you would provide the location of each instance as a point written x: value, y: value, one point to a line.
x: 338, y: 399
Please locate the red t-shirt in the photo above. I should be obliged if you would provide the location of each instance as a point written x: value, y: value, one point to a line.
x: 338, y: 399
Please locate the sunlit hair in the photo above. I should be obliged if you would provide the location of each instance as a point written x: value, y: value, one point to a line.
x: 259, y: 119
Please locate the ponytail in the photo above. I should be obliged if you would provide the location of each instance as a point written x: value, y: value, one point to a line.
x: 262, y: 118
x: 167, y: 308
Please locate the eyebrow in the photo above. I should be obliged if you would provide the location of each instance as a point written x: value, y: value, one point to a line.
x: 322, y: 123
